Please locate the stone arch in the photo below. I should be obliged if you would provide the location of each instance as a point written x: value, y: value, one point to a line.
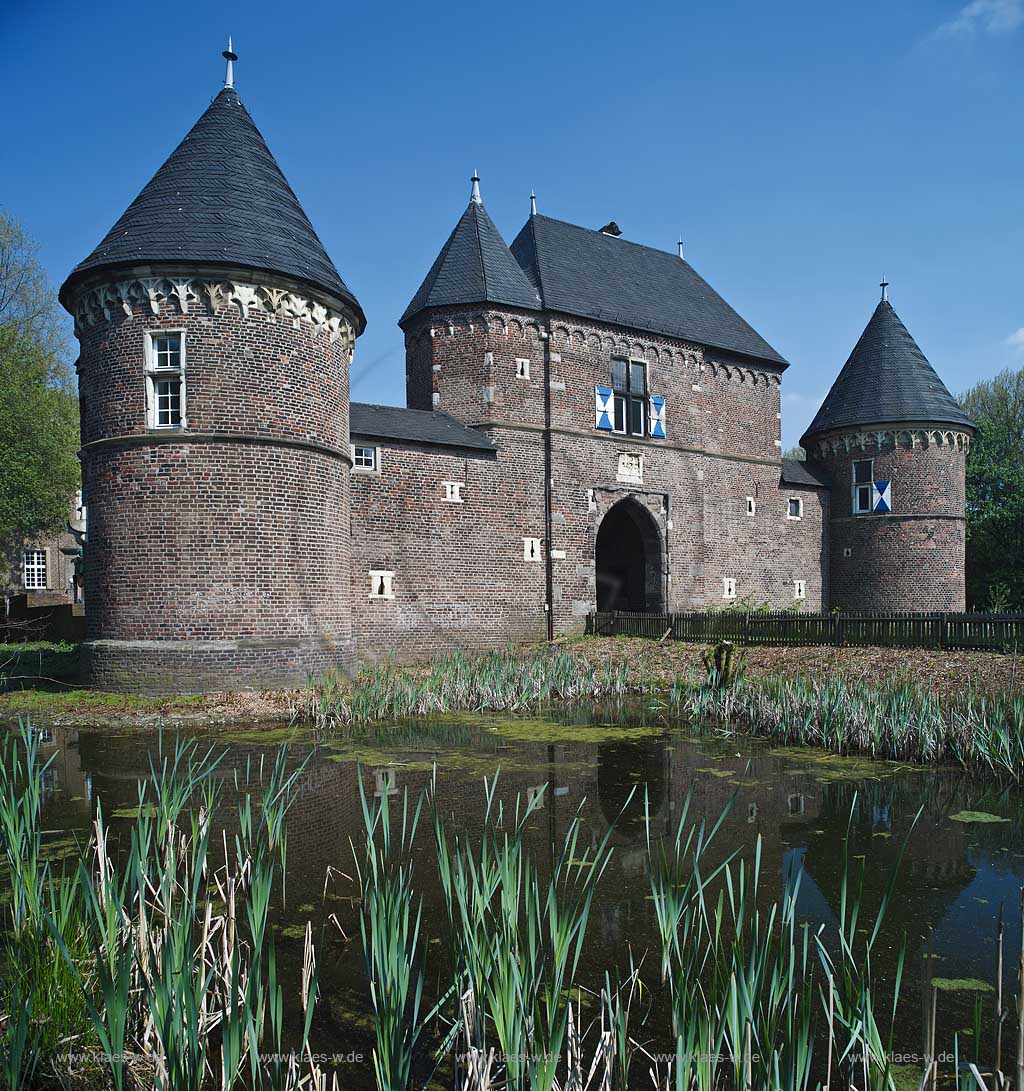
x: 629, y: 556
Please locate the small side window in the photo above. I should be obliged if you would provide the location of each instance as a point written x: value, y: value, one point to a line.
x: 522, y: 368
x: 863, y: 476
x: 34, y: 569
x: 165, y: 379
x: 531, y: 549
x: 453, y: 491
x: 799, y: 590
x: 795, y: 508
x: 728, y: 587
x: 364, y: 458
x: 751, y: 506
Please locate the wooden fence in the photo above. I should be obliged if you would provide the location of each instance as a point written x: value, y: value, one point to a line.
x: 995, y: 632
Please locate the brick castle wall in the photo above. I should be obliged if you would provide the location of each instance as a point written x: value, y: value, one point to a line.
x: 911, y: 559
x: 218, y: 554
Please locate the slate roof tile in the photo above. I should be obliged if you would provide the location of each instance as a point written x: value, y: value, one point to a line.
x: 221, y: 198
x: 474, y: 266
x: 886, y: 380
x: 429, y: 426
x: 583, y: 272
x: 795, y: 472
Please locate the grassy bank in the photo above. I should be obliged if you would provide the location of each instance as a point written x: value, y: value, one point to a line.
x: 157, y: 962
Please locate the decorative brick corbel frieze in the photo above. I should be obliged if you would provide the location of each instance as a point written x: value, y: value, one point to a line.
x: 96, y: 305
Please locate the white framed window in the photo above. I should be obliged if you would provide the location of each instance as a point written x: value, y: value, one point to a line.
x: 847, y: 552
x: 629, y: 384
x: 631, y: 468
x: 381, y: 584
x: 799, y: 590
x: 364, y: 458
x: 794, y: 508
x: 751, y: 506
x: 531, y: 549
x: 165, y: 378
x: 522, y: 368
x: 863, y: 472
x: 453, y: 491
x: 385, y: 782
x: 729, y: 587
x: 34, y: 569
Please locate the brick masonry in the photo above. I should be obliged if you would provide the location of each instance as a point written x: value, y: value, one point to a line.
x: 218, y: 553
x: 912, y: 558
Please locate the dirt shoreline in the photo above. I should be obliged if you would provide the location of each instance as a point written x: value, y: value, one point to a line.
x: 648, y: 663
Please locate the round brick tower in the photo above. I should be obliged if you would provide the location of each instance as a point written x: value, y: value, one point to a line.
x: 894, y: 444
x: 216, y: 337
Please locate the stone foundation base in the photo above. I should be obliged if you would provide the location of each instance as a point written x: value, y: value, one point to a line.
x: 171, y: 667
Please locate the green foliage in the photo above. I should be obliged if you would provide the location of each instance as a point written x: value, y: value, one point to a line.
x: 38, y: 408
x: 724, y: 664
x: 995, y: 493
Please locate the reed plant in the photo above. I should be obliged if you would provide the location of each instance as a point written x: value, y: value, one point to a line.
x: 892, y: 719
x: 499, y: 681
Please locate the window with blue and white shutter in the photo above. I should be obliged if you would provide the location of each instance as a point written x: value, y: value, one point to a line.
x: 657, y: 417
x: 604, y: 399
x: 625, y: 406
x: 881, y: 497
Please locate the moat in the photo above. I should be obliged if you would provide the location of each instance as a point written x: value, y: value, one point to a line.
x: 964, y: 856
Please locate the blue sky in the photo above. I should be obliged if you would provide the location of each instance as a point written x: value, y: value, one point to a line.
x: 800, y: 149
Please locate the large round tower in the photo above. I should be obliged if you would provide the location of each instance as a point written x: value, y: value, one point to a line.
x: 894, y: 444
x: 216, y: 337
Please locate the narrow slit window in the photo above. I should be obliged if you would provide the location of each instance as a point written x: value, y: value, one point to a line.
x: 531, y: 549
x: 453, y: 491
x: 799, y: 590
x: 728, y: 587
x: 751, y: 506
x: 381, y: 584
x: 522, y: 368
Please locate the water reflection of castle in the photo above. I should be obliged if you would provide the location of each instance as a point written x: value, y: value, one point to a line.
x: 797, y: 816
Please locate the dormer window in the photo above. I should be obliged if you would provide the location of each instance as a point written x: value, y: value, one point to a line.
x: 165, y: 379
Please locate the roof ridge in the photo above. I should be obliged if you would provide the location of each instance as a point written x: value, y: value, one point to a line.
x: 616, y: 238
x: 480, y: 242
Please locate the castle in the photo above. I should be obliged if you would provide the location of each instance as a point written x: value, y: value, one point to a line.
x: 590, y: 426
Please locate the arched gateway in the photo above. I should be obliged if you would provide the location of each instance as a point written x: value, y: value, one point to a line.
x: 629, y: 558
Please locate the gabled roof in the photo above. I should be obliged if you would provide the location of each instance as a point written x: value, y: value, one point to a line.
x: 594, y: 275
x: 415, y: 426
x: 221, y: 198
x: 887, y: 380
x: 797, y: 472
x: 475, y: 266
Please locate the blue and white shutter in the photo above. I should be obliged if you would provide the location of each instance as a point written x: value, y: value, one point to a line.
x: 658, y: 417
x: 881, y: 496
x: 604, y: 408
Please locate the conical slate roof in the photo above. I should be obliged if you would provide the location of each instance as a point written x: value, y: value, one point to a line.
x: 220, y: 199
x: 475, y: 266
x: 887, y: 380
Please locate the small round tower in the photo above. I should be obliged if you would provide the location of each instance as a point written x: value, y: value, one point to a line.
x: 894, y: 443
x: 216, y: 338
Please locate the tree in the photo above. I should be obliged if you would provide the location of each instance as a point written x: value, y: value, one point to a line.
x: 797, y: 454
x: 39, y: 470
x: 995, y: 492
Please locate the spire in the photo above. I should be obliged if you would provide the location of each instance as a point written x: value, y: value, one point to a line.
x: 681, y: 250
x: 887, y: 380
x: 474, y: 266
x: 885, y: 288
x: 533, y: 203
x: 230, y: 57
x: 219, y: 199
x: 474, y: 194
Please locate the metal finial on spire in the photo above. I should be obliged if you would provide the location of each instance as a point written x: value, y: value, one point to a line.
x: 885, y: 288
x: 681, y: 250
x: 230, y: 57
x: 474, y: 195
x: 533, y: 203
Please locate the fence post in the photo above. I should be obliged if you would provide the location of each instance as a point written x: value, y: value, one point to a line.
x: 746, y: 628
x: 837, y: 630
x: 942, y: 629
